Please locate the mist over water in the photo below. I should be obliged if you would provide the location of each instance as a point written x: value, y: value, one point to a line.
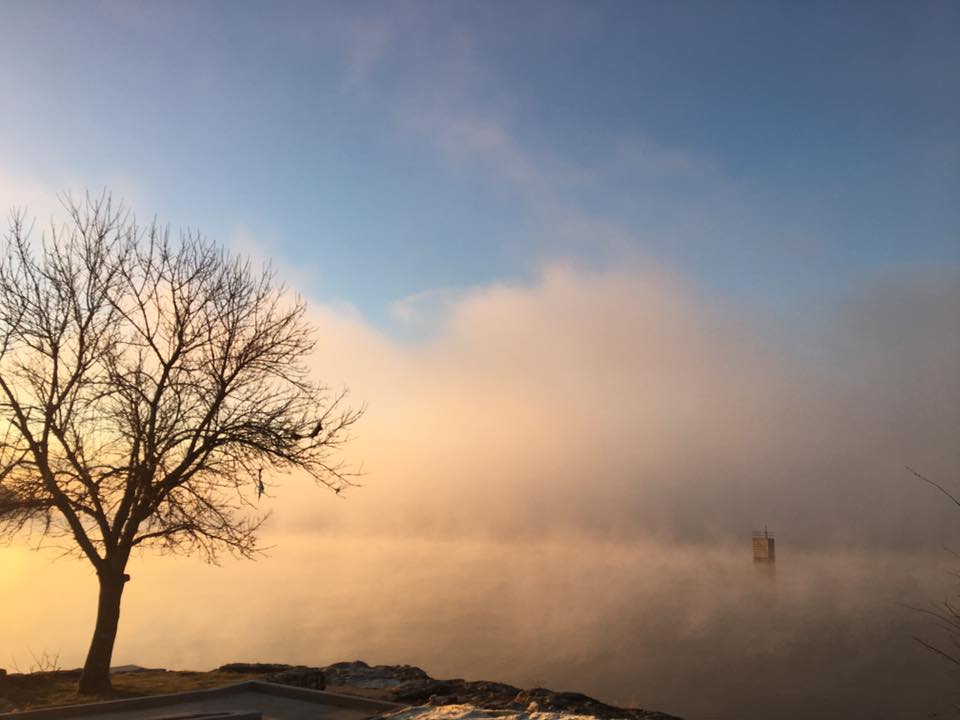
x: 628, y: 403
x: 698, y: 631
x: 562, y: 482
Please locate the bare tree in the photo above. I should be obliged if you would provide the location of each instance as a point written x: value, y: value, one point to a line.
x: 946, y: 614
x: 148, y: 386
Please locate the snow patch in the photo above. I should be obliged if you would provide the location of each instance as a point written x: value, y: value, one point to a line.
x: 472, y: 712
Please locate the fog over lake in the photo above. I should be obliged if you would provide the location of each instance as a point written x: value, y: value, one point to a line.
x: 697, y: 631
x: 552, y: 500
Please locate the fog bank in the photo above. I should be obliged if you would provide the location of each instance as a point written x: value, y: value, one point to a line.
x: 628, y: 402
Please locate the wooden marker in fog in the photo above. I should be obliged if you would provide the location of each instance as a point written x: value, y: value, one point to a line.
x: 764, y: 549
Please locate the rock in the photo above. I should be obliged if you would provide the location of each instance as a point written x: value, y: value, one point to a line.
x: 305, y: 677
x: 251, y: 668
x: 485, y: 693
x: 545, y: 700
x: 577, y: 703
x: 550, y: 701
x: 480, y: 693
x: 495, y: 696
x: 409, y: 685
x: 360, y: 675
x: 417, y: 692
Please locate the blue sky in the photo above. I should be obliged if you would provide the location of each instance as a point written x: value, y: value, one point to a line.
x: 771, y: 152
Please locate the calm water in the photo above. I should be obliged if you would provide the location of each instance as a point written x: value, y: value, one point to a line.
x: 702, y: 633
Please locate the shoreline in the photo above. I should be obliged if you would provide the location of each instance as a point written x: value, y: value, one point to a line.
x: 425, y: 697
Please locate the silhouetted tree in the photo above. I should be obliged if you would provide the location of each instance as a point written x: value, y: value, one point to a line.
x: 947, y: 614
x: 145, y: 385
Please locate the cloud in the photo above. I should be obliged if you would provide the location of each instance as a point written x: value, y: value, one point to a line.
x: 422, y: 312
x: 627, y: 402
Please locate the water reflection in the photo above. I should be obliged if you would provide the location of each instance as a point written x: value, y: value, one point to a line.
x: 765, y: 569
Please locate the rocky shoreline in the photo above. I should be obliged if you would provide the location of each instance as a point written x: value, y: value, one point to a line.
x: 425, y: 697
x: 410, y: 685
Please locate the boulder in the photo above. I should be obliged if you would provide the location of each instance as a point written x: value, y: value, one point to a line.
x: 360, y: 675
x: 418, y: 692
x: 305, y: 677
x: 544, y: 700
x: 481, y: 693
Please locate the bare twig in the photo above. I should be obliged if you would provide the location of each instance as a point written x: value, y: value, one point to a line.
x: 935, y: 484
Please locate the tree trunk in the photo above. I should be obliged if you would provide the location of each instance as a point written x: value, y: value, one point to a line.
x: 95, y: 679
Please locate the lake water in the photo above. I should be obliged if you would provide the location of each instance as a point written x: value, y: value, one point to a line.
x: 694, y: 631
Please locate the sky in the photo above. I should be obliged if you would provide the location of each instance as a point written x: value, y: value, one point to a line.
x: 680, y: 268
x: 776, y: 151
